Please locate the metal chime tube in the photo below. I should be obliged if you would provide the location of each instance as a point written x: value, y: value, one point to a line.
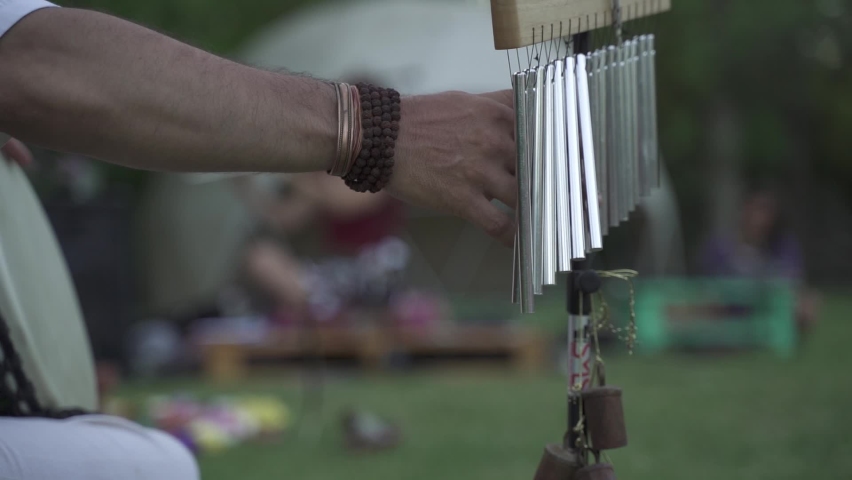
x: 549, y: 211
x: 516, y: 269
x: 538, y: 182
x: 628, y: 129
x: 634, y: 122
x: 600, y: 135
x: 618, y: 117
x: 647, y: 88
x: 575, y: 182
x: 592, y: 74
x: 563, y: 211
x: 524, y: 198
x: 529, y: 127
x: 624, y: 147
x: 642, y: 86
x: 615, y: 136
x: 629, y: 124
x: 612, y: 148
x: 589, y: 161
x: 655, y: 154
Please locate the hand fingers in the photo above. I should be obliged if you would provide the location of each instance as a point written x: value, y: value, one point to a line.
x: 18, y: 152
x: 501, y: 185
x: 502, y: 96
x: 496, y: 223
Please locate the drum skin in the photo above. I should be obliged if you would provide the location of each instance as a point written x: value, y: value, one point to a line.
x: 38, y: 301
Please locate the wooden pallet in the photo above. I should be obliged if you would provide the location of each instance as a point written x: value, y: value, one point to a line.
x: 527, y: 348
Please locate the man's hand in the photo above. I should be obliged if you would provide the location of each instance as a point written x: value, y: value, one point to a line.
x: 455, y: 153
x: 17, y: 152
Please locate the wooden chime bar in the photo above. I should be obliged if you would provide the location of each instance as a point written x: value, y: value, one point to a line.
x: 521, y: 23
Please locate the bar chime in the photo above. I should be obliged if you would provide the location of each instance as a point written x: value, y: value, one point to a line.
x: 587, y: 154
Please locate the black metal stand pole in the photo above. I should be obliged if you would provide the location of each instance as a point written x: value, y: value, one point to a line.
x: 582, y: 283
x: 560, y: 461
x: 577, y: 295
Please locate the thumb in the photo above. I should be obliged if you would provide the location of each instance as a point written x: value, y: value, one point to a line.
x: 17, y: 152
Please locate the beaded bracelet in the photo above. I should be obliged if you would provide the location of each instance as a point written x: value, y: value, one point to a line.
x: 380, y: 114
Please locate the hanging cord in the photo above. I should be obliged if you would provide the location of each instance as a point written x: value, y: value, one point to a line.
x: 603, y: 311
x: 600, y: 318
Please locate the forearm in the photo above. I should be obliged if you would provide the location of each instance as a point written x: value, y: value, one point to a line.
x: 74, y: 80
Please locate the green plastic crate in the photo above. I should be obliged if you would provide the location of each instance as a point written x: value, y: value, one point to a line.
x: 714, y: 313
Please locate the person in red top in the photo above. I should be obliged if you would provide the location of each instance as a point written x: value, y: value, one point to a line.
x: 359, y: 233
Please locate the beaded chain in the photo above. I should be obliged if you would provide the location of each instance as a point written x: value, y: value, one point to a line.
x: 17, y: 395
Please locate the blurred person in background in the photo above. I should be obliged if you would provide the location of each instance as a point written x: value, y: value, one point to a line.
x: 363, y: 266
x: 365, y: 257
x: 763, y: 246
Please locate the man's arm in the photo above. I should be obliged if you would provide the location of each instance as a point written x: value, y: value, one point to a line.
x: 80, y: 81
x: 144, y: 100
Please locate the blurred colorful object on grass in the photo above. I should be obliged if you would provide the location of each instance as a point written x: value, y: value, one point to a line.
x: 209, y: 426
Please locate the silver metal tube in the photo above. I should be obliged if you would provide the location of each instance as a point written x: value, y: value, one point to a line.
x: 538, y: 180
x: 575, y: 182
x: 600, y: 135
x: 516, y: 271
x: 618, y: 112
x: 625, y: 164
x: 641, y: 128
x: 628, y: 152
x: 628, y: 147
x: 613, y: 201
x: 631, y: 143
x: 549, y: 180
x: 634, y: 121
x: 524, y: 199
x: 655, y: 141
x: 592, y: 76
x: 563, y: 211
x: 529, y: 126
x: 589, y: 162
x: 645, y: 116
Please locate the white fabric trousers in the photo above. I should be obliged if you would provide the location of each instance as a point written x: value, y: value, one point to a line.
x: 90, y: 447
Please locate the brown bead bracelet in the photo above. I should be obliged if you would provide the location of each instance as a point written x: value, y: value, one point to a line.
x: 380, y: 114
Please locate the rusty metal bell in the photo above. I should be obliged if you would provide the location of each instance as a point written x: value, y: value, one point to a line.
x: 604, y: 417
x: 598, y: 471
x: 557, y: 463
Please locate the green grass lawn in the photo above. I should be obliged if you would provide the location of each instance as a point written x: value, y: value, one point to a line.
x: 748, y: 416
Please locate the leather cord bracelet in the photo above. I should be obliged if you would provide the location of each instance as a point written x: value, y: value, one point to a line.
x: 346, y: 129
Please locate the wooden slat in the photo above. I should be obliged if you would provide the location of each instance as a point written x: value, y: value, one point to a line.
x: 514, y: 21
x: 527, y: 347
